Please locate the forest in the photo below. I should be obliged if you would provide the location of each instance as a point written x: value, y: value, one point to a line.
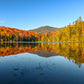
x: 71, y: 33
x: 13, y: 34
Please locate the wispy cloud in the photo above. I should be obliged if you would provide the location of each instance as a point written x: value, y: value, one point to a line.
x: 2, y: 21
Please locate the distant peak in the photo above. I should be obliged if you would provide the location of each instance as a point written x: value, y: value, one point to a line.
x: 44, y: 29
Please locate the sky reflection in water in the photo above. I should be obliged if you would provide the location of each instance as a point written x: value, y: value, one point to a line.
x: 53, y: 63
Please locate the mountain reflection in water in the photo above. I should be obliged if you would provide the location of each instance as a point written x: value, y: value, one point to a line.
x: 71, y: 51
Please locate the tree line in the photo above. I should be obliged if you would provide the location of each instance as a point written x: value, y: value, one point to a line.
x: 71, y: 33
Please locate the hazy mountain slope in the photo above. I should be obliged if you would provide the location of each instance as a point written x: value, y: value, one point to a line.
x: 44, y: 29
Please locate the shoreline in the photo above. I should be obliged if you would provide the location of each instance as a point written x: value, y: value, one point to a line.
x: 35, y: 42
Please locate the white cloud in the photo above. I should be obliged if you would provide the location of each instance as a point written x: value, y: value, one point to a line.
x: 2, y: 21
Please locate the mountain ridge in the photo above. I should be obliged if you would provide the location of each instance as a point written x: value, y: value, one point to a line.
x: 44, y: 29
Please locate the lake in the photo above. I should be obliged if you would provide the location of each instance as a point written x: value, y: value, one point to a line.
x: 41, y: 63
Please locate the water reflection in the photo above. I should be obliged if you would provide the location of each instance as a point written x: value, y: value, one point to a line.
x: 71, y: 51
x: 41, y: 63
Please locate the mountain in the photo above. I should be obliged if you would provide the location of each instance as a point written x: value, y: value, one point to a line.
x: 45, y: 29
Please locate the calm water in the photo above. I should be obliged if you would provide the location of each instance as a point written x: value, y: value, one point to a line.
x: 42, y: 63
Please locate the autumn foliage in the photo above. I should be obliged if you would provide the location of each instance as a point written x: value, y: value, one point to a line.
x: 13, y: 34
x: 71, y: 33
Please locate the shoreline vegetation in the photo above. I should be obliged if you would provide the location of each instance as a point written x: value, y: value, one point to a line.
x: 35, y: 42
x: 70, y: 33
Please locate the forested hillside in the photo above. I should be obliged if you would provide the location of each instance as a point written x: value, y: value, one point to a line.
x: 13, y: 34
x: 71, y: 33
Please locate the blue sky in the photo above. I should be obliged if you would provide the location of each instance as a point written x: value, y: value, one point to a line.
x: 31, y: 14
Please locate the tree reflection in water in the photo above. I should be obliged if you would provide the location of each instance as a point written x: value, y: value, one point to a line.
x: 71, y: 51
